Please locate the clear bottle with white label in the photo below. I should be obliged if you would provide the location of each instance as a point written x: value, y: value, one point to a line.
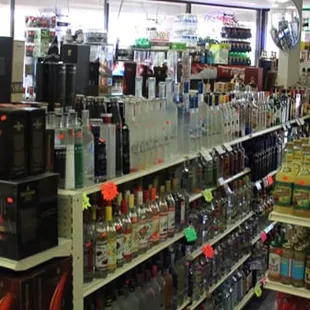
x: 163, y: 215
x: 171, y: 210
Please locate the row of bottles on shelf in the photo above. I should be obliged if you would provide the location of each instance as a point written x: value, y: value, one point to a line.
x: 239, y: 46
x: 124, y: 136
x: 239, y: 59
x: 289, y: 257
x: 168, y: 280
x: 292, y: 194
x: 236, y: 32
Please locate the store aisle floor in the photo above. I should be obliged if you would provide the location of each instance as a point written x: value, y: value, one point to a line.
x: 266, y: 302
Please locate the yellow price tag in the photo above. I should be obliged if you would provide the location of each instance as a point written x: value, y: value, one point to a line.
x: 258, y: 290
x: 207, y: 194
x: 86, y: 203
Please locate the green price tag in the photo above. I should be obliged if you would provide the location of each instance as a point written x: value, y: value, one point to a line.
x: 86, y: 203
x: 258, y: 290
x: 207, y: 194
x: 190, y: 234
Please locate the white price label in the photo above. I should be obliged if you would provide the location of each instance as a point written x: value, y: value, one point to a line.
x: 302, y: 121
x: 221, y: 181
x: 228, y: 147
x: 258, y: 185
x: 220, y: 150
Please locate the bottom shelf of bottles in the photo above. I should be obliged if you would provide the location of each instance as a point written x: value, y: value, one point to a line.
x: 195, y: 304
x: 287, y: 289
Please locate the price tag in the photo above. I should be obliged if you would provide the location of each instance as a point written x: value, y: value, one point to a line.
x: 220, y: 150
x: 208, y: 251
x: 302, y: 121
x: 258, y: 290
x: 206, y: 155
x: 298, y: 122
x: 258, y: 185
x: 263, y: 236
x: 207, y: 194
x: 221, y: 181
x: 228, y: 147
x: 288, y: 125
x: 270, y: 180
x: 284, y: 127
x: 86, y: 203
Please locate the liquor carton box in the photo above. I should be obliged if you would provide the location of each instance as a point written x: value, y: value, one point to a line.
x: 13, y: 150
x: 54, y: 285
x: 28, y: 215
x: 17, y: 71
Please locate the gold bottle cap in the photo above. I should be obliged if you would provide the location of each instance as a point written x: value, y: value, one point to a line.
x: 168, y: 186
x: 108, y: 214
x: 131, y: 201
x: 119, y: 198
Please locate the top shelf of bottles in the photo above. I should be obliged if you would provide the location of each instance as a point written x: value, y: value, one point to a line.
x: 140, y: 174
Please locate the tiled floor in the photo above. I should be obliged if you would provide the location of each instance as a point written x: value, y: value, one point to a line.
x: 265, y: 302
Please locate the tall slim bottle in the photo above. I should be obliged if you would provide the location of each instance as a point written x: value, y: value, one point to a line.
x: 111, y: 234
x: 119, y: 232
x: 88, y: 149
x: 156, y: 217
x: 70, y: 154
x: 142, y: 217
x: 134, y: 222
x: 127, y: 232
x: 149, y: 218
x: 171, y: 209
x: 163, y: 215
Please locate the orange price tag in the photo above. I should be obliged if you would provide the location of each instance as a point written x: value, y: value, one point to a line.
x: 208, y: 251
x: 109, y: 191
x: 270, y: 180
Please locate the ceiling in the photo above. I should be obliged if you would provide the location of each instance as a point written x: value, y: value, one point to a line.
x: 99, y: 3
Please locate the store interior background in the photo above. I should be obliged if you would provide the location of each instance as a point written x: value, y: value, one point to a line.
x: 133, y: 18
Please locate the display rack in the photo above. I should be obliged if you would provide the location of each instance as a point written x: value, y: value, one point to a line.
x: 245, y: 300
x: 287, y: 289
x: 289, y: 219
x: 71, y: 219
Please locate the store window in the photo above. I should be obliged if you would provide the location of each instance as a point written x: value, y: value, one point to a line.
x: 210, y: 22
x: 135, y: 16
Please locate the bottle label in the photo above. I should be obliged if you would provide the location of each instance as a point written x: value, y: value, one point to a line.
x: 163, y: 224
x: 298, y: 270
x: 274, y: 263
x: 171, y: 219
x: 135, y: 238
x: 155, y: 236
x: 283, y: 194
x: 119, y: 247
x: 142, y: 233
x: 301, y: 197
x: 286, y: 266
x: 112, y: 253
x: 79, y: 166
x: 150, y: 229
x: 101, y: 249
x: 127, y: 244
x: 182, y: 212
x: 307, y: 275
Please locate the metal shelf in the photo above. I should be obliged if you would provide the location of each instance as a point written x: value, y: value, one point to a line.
x: 136, y: 175
x: 245, y: 300
x: 219, y: 237
x: 96, y: 284
x: 220, y: 282
x: 62, y: 250
x: 266, y: 230
x: 288, y: 289
x: 185, y: 304
x: 227, y: 181
x: 289, y: 219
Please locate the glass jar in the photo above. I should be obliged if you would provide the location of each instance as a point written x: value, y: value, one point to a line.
x: 298, y: 266
x: 286, y: 263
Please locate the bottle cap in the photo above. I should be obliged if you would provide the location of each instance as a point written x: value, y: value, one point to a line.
x: 108, y: 214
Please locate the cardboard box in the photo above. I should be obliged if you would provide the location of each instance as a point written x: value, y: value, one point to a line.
x: 28, y: 216
x: 54, y: 285
x: 17, y: 291
x: 13, y: 149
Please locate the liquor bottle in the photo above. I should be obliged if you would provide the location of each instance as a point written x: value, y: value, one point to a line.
x: 88, y: 247
x: 171, y: 210
x: 149, y: 218
x: 100, y: 163
x: 118, y: 224
x: 142, y: 223
x: 174, y: 275
x: 88, y: 149
x: 142, y: 292
x: 163, y: 215
x: 156, y: 217
x: 125, y: 141
x: 127, y: 232
x: 111, y: 233
x: 135, y: 228
x: 168, y: 289
x: 132, y: 298
x: 110, y: 303
x: 101, y: 247
x: 60, y: 150
x: 182, y: 276
x: 70, y: 154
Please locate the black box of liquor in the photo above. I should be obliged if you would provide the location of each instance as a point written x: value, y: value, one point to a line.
x: 13, y: 147
x: 28, y: 216
x: 6, y: 55
x: 78, y: 54
x: 35, y: 137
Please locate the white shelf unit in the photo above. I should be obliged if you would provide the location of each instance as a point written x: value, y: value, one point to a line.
x: 288, y: 289
x: 62, y: 250
x: 245, y: 300
x: 71, y: 220
x: 289, y: 219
